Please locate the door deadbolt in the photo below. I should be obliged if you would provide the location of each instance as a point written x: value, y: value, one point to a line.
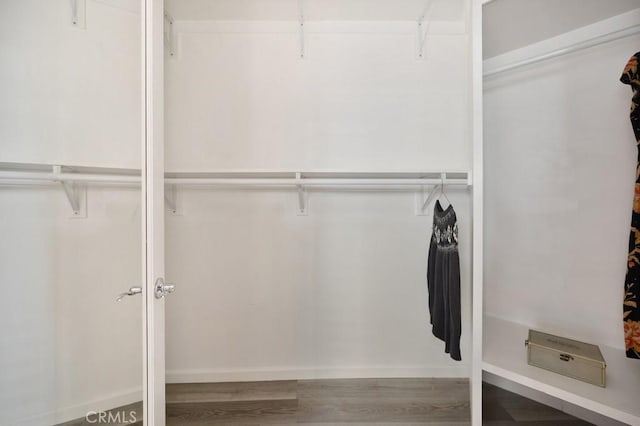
x: 162, y: 289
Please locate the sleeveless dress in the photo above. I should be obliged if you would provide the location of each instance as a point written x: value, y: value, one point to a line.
x: 443, y: 280
x: 632, y: 281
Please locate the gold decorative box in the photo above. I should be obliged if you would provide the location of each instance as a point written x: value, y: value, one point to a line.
x: 571, y: 358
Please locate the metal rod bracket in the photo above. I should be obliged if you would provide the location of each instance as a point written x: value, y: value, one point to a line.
x: 78, y: 13
x: 303, y: 197
x: 172, y: 200
x: 301, y: 26
x: 422, y: 202
x: 169, y: 34
x: 76, y: 195
x: 424, y: 21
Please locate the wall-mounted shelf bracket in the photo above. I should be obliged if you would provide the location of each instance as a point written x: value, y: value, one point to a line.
x: 169, y: 34
x: 422, y: 202
x: 301, y: 26
x: 76, y: 194
x: 78, y: 13
x: 423, y: 28
x: 171, y: 199
x: 303, y: 197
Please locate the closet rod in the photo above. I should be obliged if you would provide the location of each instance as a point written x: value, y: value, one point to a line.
x: 314, y: 181
x: 596, y: 41
x: 35, y: 177
x: 26, y: 177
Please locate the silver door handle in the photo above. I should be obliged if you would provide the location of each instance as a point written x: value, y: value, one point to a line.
x: 163, y: 289
x: 132, y: 291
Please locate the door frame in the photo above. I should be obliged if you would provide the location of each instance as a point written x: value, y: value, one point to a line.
x: 152, y: 15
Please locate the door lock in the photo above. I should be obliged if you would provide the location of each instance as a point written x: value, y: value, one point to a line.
x: 162, y: 289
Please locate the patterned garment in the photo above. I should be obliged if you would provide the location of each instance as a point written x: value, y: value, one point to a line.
x: 443, y: 280
x: 632, y: 280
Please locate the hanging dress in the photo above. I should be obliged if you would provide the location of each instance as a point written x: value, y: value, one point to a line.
x: 632, y: 280
x: 443, y: 280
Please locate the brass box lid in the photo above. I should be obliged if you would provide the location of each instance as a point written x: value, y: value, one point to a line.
x: 564, y: 345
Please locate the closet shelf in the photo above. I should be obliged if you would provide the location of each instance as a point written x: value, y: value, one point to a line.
x: 505, y: 356
x: 74, y: 179
x: 17, y: 173
x: 30, y: 173
x: 320, y: 178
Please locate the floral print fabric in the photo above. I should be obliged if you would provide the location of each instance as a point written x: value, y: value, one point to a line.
x: 632, y: 280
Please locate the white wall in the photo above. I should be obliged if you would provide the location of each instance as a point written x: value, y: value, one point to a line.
x: 239, y: 97
x: 266, y: 294
x: 70, y: 96
x: 560, y: 169
x: 263, y: 293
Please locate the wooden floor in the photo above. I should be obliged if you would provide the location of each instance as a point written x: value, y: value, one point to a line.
x: 359, y: 402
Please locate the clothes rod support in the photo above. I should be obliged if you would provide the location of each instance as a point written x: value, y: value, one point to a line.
x: 169, y: 34
x: 422, y: 203
x: 76, y: 194
x: 423, y: 29
x: 301, y: 22
x: 303, y: 199
x: 78, y: 13
x: 171, y: 199
x: 432, y: 195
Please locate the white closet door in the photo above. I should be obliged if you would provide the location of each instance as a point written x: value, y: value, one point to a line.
x: 153, y: 201
x: 72, y: 350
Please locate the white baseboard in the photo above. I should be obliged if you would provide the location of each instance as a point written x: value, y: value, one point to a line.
x: 551, y: 401
x: 78, y: 411
x: 266, y: 374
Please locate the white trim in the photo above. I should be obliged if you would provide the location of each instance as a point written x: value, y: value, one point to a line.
x: 153, y: 212
x: 478, y: 212
x: 65, y: 414
x: 617, y: 27
x: 309, y: 373
x: 144, y: 24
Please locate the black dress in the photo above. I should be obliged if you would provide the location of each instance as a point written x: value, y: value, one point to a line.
x: 443, y: 280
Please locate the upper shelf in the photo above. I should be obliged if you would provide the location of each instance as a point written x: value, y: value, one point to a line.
x: 316, y: 10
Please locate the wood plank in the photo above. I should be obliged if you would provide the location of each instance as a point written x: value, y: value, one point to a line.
x: 376, y: 410
x: 384, y: 388
x: 234, y: 412
x: 236, y: 391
